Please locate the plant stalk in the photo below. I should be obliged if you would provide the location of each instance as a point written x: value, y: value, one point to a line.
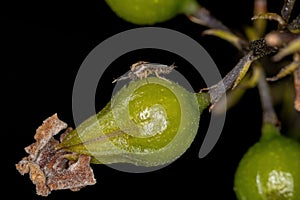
x: 269, y: 115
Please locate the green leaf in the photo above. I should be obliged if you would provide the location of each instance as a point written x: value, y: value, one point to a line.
x: 228, y: 36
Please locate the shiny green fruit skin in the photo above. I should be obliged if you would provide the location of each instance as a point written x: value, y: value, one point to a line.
x: 148, y: 12
x: 270, y: 170
x: 149, y: 122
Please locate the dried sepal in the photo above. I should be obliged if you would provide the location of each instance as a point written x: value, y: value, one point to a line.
x: 51, y: 127
x: 228, y: 36
x: 50, y: 169
x: 291, y: 48
x: 76, y: 176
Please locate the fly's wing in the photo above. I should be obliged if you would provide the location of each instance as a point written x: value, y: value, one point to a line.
x: 160, y: 68
x: 142, y: 66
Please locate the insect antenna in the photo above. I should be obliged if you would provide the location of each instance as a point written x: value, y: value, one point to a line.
x: 120, y: 78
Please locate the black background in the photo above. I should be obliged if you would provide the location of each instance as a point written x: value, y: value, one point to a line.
x: 44, y: 44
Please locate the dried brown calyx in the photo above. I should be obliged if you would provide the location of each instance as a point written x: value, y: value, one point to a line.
x: 48, y: 168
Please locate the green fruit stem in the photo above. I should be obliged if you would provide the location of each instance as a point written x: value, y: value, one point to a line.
x: 203, y: 101
x: 269, y: 131
x: 270, y: 120
x: 190, y: 7
x: 269, y: 115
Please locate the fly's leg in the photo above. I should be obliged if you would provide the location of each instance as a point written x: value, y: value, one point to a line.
x: 158, y: 76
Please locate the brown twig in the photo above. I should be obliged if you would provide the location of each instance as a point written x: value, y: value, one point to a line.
x: 287, y: 9
x: 231, y: 80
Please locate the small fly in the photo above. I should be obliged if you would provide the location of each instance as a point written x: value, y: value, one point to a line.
x: 143, y: 69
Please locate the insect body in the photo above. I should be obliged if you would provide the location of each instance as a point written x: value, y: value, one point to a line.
x: 143, y: 69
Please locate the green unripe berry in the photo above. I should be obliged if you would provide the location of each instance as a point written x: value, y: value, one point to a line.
x: 149, y: 122
x: 270, y: 170
x: 148, y: 12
